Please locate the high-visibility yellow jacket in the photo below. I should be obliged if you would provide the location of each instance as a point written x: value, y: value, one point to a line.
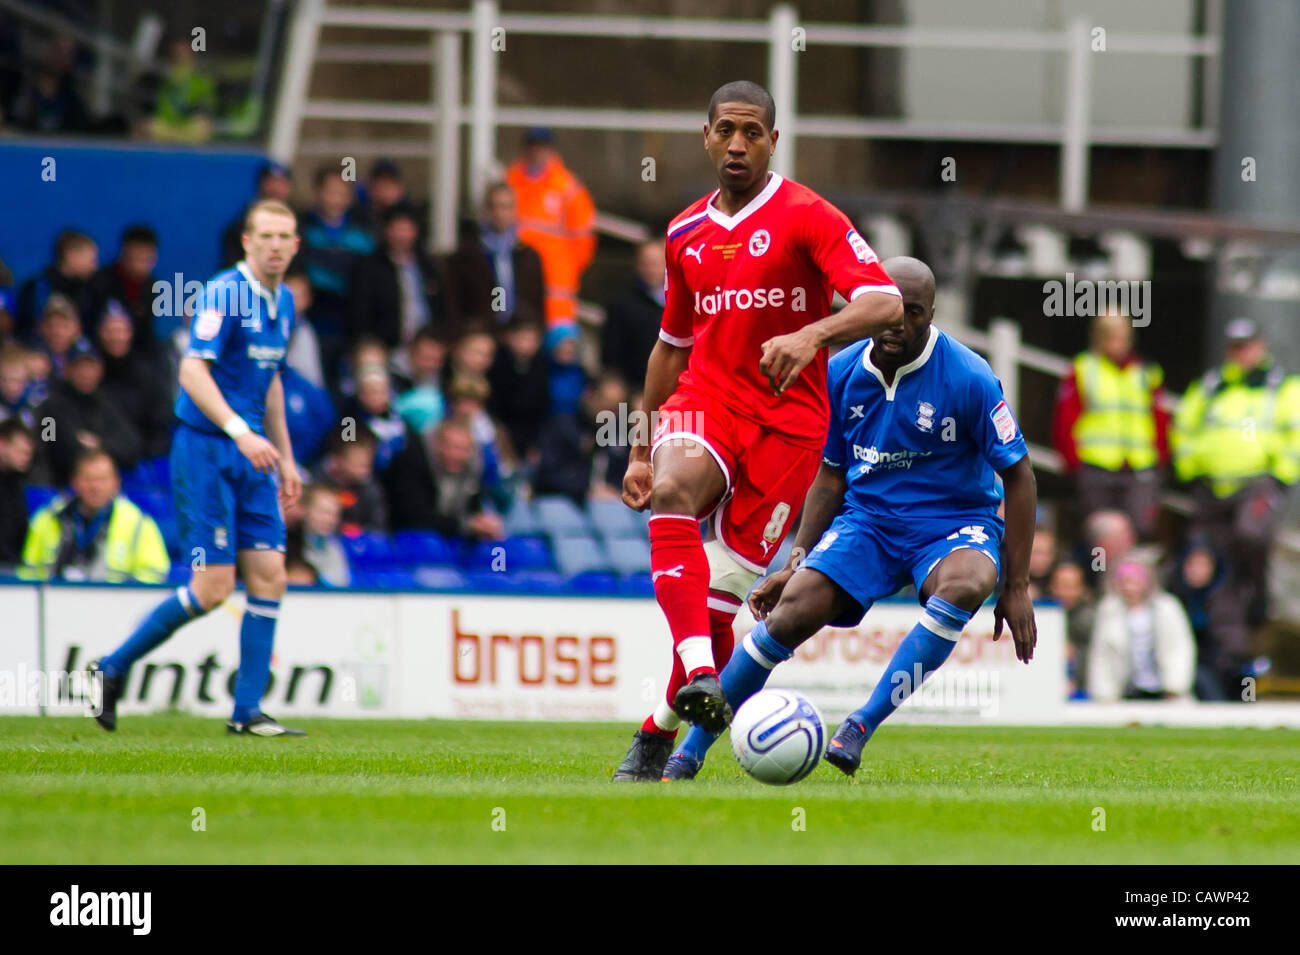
x: 1116, y: 426
x: 557, y: 218
x: 129, y: 547
x: 1233, y: 426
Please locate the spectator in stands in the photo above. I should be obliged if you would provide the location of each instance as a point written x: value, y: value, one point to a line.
x: 472, y: 354
x: 135, y: 381
x: 421, y: 403
x: 1111, y: 426
x: 83, y: 417
x: 1142, y: 646
x: 373, y: 407
x: 1109, y: 537
x: 520, y: 385
x: 274, y: 181
x: 59, y: 329
x: 567, y: 377
x: 385, y: 189
x: 1042, y: 560
x: 1196, y: 573
x: 396, y: 290
x: 452, y: 501
x: 76, y: 259
x: 129, y: 282
x: 333, y: 242
x: 632, y: 320
x: 96, y: 534
x: 322, y: 547
x: 364, y: 354
x: 557, y: 218
x: 8, y: 308
x: 1237, y: 438
x: 1069, y: 588
x: 492, y: 272
x: 187, y: 99
x: 16, y: 390
x: 467, y: 400
x: 309, y: 415
x: 48, y: 101
x: 349, y: 465
x: 304, y: 350
x: 17, y: 453
x: 577, y: 457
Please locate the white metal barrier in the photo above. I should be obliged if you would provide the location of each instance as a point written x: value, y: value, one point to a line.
x: 486, y: 24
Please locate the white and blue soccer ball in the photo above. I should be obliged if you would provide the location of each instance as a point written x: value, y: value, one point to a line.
x: 778, y: 736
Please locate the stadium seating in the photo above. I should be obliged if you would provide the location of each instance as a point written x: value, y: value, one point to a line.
x: 369, y: 553
x: 614, y: 519
x: 510, y: 555
x: 629, y: 555
x: 560, y: 517
x: 412, y: 548
x: 576, y: 555
x: 38, y: 496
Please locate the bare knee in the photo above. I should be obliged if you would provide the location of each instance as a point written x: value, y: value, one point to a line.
x: 268, y: 583
x: 212, y: 586
x: 968, y: 593
x: 672, y: 495
x: 794, y: 619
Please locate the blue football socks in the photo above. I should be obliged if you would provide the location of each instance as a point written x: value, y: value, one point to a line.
x: 256, y: 640
x: 922, y: 651
x: 165, y: 619
x: 743, y: 676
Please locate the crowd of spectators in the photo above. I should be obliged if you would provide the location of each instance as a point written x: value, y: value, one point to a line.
x: 1152, y: 615
x: 423, y: 394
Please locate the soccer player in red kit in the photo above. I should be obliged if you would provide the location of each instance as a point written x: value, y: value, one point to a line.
x: 738, y: 377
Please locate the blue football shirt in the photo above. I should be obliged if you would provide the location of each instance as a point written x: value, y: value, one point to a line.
x: 243, y: 330
x: 928, y: 445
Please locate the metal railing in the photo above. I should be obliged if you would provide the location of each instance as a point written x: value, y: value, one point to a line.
x: 446, y: 112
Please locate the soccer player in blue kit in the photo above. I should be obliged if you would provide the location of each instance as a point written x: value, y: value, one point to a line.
x: 906, y: 493
x: 230, y: 447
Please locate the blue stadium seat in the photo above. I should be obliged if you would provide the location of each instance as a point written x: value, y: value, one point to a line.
x: 614, y: 519
x: 577, y: 555
x: 155, y: 503
x: 171, y: 533
x: 38, y: 496
x: 486, y: 580
x: 594, y: 584
x: 521, y: 519
x: 636, y: 585
x: 629, y: 555
x: 412, y: 548
x: 519, y: 553
x: 440, y: 578
x: 560, y: 517
x: 369, y: 552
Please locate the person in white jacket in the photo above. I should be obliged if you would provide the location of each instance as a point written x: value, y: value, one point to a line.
x: 1142, y: 644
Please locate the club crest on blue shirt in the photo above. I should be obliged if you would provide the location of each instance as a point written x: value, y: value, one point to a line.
x: 925, y: 416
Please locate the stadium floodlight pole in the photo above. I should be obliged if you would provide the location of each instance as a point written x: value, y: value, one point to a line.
x: 483, y: 123
x: 1078, y: 105
x: 445, y: 171
x: 782, y: 76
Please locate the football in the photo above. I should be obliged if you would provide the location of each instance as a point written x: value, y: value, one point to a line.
x: 778, y: 737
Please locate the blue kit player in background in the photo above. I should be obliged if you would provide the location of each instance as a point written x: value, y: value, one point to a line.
x: 231, y: 444
x: 906, y: 494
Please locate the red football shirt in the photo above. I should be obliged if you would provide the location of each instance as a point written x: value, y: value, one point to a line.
x: 733, y: 282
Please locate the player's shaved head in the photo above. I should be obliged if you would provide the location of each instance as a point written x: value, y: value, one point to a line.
x: 744, y: 91
x: 913, y: 278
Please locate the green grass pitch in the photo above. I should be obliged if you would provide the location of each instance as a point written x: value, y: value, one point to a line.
x: 442, y: 791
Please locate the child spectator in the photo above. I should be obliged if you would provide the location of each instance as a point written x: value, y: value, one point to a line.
x: 135, y: 381
x: 568, y: 379
x: 421, y: 403
x: 467, y: 398
x: 473, y: 352
x: 373, y: 407
x: 1069, y: 588
x: 1142, y: 646
x: 349, y: 465
x: 59, y: 327
x: 1197, y: 573
x: 1042, y: 560
x: 16, y: 387
x: 322, y: 546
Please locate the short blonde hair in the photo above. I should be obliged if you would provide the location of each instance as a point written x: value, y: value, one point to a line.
x: 268, y: 205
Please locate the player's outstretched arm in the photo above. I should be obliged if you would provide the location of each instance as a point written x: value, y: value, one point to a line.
x: 277, y: 429
x: 197, y: 381
x: 1014, y: 606
x: 822, y: 503
x: 666, y: 364
x: 785, y: 356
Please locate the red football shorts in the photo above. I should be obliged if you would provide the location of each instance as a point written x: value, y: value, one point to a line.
x: 767, y: 476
